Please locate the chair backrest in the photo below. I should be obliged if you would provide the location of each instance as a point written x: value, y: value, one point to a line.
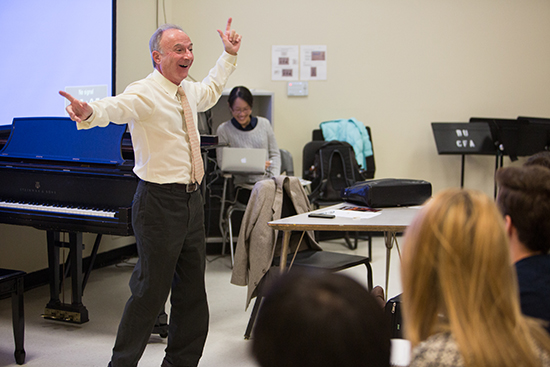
x: 317, y: 135
x: 371, y: 166
x: 287, y: 162
x: 308, y: 156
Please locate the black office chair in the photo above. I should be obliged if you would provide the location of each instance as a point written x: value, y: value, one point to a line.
x: 307, y: 258
x: 287, y: 163
x: 287, y: 168
x: 308, y: 160
x: 226, y: 214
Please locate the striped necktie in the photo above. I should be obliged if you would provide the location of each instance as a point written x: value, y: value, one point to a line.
x: 197, y: 171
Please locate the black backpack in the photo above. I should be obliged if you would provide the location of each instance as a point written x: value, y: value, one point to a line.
x: 333, y: 169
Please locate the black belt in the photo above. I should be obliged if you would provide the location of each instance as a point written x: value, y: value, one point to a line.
x: 183, y: 187
x: 188, y: 187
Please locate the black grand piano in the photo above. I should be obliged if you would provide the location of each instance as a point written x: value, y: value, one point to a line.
x: 56, y: 178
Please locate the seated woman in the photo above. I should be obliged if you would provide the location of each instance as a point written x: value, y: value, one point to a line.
x: 247, y: 131
x: 460, y: 294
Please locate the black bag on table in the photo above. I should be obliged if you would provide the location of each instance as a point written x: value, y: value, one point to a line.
x: 388, y: 192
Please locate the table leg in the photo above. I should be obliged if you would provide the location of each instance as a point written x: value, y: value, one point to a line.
x: 284, y: 250
x: 388, y: 240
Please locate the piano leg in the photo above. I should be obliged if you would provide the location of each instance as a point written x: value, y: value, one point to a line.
x: 93, y: 256
x: 53, y: 267
x: 92, y: 260
x: 74, y: 312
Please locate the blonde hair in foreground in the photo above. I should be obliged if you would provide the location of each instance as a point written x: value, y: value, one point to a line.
x: 457, y: 276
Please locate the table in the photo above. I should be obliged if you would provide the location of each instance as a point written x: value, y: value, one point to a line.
x: 390, y: 221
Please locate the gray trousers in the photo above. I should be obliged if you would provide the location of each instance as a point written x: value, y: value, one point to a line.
x: 169, y: 228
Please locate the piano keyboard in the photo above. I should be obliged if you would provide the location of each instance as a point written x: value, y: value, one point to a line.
x: 59, y: 209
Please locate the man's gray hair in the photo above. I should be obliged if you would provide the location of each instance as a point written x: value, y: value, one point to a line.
x: 154, y: 42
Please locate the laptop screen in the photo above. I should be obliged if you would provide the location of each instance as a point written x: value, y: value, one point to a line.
x: 243, y: 160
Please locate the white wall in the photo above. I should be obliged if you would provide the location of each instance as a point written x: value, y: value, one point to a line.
x: 395, y: 65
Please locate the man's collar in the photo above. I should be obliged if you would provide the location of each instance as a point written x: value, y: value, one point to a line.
x: 166, y: 84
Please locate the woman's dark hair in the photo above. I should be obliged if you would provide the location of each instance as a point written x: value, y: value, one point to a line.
x: 242, y: 93
x: 539, y: 159
x: 320, y: 319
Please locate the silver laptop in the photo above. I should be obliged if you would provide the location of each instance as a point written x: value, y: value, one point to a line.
x: 243, y: 160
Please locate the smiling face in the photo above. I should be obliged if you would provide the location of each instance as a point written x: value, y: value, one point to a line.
x: 241, y: 111
x: 175, y: 56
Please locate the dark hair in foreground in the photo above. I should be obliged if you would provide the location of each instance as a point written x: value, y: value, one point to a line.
x: 524, y: 195
x: 320, y: 319
x: 539, y: 159
x: 242, y: 93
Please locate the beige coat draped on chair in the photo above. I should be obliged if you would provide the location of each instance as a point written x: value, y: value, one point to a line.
x: 257, y: 244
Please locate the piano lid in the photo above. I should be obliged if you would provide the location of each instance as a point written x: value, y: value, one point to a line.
x: 57, y: 139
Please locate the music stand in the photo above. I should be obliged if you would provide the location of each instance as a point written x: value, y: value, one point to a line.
x: 463, y: 138
x: 486, y: 135
x: 540, y: 123
x: 517, y: 138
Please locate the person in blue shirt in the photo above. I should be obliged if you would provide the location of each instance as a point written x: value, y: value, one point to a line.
x: 524, y: 200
